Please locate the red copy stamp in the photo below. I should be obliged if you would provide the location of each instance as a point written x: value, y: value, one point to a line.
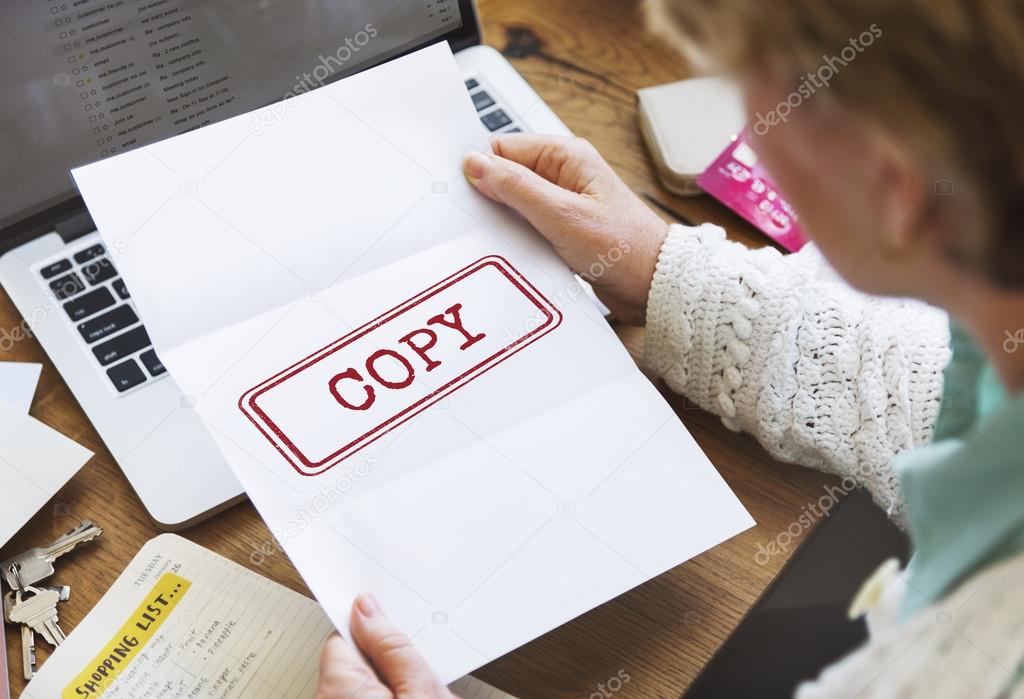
x: 329, y: 405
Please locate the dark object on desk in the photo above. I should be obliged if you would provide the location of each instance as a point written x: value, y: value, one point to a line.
x: 665, y: 208
x: 799, y: 626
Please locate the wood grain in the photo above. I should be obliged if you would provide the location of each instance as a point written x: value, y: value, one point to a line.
x: 587, y: 64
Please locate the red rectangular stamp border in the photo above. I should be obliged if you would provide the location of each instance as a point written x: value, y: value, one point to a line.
x: 305, y: 467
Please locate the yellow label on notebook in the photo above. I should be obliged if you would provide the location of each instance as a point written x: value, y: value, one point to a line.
x: 130, y: 639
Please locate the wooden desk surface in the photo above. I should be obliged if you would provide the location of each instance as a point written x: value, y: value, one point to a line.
x: 587, y: 66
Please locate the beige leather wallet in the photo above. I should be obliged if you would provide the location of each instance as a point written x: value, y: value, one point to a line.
x: 687, y: 124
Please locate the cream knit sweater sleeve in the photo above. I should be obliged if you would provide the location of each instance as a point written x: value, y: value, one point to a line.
x: 780, y: 347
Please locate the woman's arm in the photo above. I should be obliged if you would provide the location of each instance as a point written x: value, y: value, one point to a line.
x: 779, y: 347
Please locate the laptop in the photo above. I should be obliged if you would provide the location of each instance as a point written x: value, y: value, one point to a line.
x: 90, y: 79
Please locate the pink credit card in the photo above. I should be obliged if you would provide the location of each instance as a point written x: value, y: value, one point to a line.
x: 738, y: 180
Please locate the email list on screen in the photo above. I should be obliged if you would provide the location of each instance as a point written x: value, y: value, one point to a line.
x: 113, y: 76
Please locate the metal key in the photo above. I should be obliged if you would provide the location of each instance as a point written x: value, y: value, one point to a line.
x: 11, y: 598
x: 40, y: 612
x: 28, y: 652
x: 36, y: 564
x: 64, y: 592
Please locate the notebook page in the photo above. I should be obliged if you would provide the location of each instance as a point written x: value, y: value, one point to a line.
x: 184, y: 621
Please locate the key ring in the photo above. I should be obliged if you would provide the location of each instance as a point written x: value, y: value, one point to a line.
x: 15, y: 569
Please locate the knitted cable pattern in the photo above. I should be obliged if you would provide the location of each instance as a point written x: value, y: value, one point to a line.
x: 780, y: 347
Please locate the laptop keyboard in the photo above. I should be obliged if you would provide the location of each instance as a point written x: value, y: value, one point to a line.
x: 492, y: 114
x: 97, y: 302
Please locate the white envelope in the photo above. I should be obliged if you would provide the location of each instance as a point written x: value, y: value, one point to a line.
x: 18, y: 381
x: 487, y: 491
x: 35, y: 462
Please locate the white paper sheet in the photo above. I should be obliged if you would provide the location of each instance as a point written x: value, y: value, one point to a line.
x: 551, y: 478
x: 35, y: 462
x: 18, y: 381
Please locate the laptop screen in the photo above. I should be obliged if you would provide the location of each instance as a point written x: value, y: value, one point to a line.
x: 81, y: 80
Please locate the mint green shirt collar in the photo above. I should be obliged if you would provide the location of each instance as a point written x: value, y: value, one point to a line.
x: 964, y: 491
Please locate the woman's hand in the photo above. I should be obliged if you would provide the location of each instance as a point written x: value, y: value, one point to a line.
x: 392, y: 668
x: 602, y: 230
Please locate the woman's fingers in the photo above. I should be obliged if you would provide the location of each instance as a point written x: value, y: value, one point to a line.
x: 545, y: 155
x: 344, y: 673
x: 515, y: 185
x: 392, y: 667
x: 568, y: 193
x: 397, y: 662
x: 571, y: 163
x: 524, y: 148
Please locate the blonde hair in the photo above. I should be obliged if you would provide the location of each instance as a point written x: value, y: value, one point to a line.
x: 945, y: 78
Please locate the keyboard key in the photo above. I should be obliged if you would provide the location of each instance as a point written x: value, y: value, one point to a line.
x: 87, y: 304
x: 99, y: 271
x: 153, y: 364
x: 482, y: 100
x: 67, y: 286
x: 472, y: 84
x: 496, y: 119
x: 122, y: 346
x: 107, y: 324
x: 83, y: 256
x: 121, y: 289
x: 54, y: 268
x: 514, y: 129
x: 126, y: 375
